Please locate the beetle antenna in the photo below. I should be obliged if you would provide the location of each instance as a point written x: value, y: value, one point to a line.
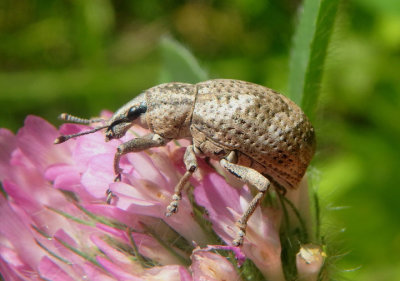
x: 75, y: 119
x: 62, y: 139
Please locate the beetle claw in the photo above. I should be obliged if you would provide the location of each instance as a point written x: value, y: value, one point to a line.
x: 173, y: 206
x: 117, y: 178
x: 110, y: 195
x: 239, y: 239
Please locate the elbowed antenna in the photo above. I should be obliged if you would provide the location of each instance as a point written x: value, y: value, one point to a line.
x: 62, y: 139
x: 74, y: 119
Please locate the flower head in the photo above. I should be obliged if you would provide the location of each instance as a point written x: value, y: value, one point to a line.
x: 56, y: 225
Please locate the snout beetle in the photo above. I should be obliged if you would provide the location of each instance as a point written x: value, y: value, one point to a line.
x: 257, y: 134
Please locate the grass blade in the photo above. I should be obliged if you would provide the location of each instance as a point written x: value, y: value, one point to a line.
x: 310, y: 46
x: 179, y: 65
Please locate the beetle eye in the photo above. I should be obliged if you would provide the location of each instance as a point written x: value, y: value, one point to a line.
x: 135, y: 111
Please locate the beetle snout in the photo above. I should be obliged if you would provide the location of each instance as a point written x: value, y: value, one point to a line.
x: 109, y: 135
x: 117, y: 130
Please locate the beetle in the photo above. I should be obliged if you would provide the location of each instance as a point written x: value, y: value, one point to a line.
x: 256, y: 134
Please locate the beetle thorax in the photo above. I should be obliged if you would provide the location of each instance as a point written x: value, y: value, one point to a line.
x: 170, y: 108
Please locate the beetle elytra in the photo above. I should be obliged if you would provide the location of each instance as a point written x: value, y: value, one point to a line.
x: 256, y: 134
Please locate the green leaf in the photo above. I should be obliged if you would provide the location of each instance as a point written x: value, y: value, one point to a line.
x: 310, y: 46
x: 178, y: 64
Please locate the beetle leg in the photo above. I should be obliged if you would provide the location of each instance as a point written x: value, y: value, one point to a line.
x: 254, y: 178
x: 191, y: 165
x: 134, y: 145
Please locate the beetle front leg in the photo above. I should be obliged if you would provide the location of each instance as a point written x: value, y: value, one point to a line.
x: 134, y: 145
x: 191, y: 165
x: 254, y: 178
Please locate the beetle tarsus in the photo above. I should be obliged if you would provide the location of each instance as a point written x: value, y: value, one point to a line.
x: 253, y: 178
x: 191, y: 165
x: 239, y: 239
x: 110, y: 196
x: 117, y: 178
x: 173, y: 206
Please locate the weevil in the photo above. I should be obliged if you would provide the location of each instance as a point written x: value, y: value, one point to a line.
x: 258, y: 135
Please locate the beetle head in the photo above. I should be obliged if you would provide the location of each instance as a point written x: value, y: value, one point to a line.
x: 124, y: 118
x: 120, y: 122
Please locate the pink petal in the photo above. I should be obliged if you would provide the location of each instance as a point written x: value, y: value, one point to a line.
x: 62, y: 237
x: 169, y: 272
x: 184, y: 274
x: 166, y: 167
x: 51, y: 271
x: 117, y: 271
x: 106, y: 114
x: 130, y: 199
x: 18, y: 235
x: 152, y: 249
x: 147, y: 245
x: 66, y: 177
x: 91, y: 145
x: 183, y: 223
x: 143, y: 165
x: 11, y: 265
x: 118, y: 233
x: 7, y: 146
x: 94, y: 273
x: 20, y: 197
x: 262, y: 243
x: 29, y: 180
x: 57, y: 170
x: 225, y: 205
x: 36, y: 139
x: 239, y: 255
x: 212, y: 267
x: 153, y: 201
x: 216, y: 195
x: 10, y: 272
x: 222, y: 203
x: 267, y: 258
x: 99, y: 175
x: 114, y: 255
x: 71, y: 128
x: 68, y: 181
x: 11, y: 257
x: 110, y: 211
x: 30, y: 207
x: 136, y: 131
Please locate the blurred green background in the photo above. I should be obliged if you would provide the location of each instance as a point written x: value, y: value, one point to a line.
x: 84, y: 56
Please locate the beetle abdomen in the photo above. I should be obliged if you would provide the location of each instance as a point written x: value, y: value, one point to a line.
x: 258, y: 122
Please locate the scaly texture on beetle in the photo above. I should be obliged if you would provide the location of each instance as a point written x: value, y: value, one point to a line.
x: 257, y: 134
